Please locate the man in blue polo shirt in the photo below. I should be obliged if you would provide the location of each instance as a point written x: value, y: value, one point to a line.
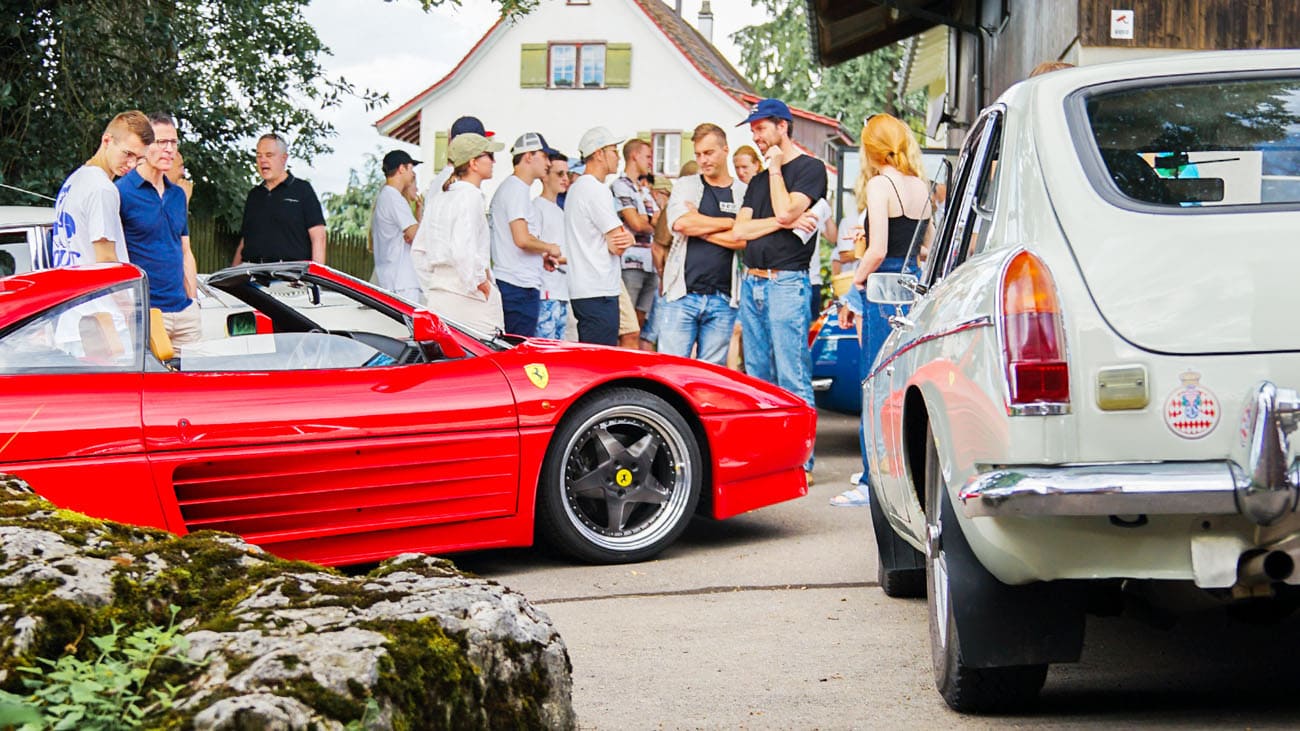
x: 156, y: 228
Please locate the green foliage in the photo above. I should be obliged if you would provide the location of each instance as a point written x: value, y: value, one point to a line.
x: 349, y: 211
x: 776, y: 57
x: 108, y: 692
x: 229, y: 70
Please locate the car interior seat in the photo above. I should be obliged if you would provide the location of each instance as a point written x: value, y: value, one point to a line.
x: 159, y: 341
x: 99, y: 338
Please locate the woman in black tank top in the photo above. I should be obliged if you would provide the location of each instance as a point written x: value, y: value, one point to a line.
x: 889, y: 151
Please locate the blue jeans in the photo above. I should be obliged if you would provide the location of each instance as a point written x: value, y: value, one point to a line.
x: 875, y: 328
x: 520, y: 308
x: 696, y: 322
x: 554, y: 316
x: 774, y: 320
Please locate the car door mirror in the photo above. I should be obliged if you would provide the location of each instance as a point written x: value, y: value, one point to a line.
x: 891, y: 288
x: 427, y: 327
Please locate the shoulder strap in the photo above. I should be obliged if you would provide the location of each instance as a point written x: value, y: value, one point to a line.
x: 901, y: 207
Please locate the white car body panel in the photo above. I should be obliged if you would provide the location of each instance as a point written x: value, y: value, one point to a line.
x: 1204, y: 292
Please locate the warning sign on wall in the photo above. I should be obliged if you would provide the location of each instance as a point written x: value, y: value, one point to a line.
x: 1121, y: 24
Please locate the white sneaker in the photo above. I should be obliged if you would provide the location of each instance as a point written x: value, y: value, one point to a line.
x: 855, y: 479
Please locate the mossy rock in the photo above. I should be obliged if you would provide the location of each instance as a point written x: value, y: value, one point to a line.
x: 414, y: 644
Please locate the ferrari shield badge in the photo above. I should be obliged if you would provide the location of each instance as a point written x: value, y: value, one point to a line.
x: 1191, y: 411
x: 538, y: 374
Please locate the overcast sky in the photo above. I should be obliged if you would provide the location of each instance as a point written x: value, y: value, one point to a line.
x: 399, y: 49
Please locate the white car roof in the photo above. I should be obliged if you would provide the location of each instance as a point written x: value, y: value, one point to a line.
x: 25, y: 215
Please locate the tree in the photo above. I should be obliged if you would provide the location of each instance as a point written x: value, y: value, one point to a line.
x: 349, y: 211
x: 229, y: 70
x: 776, y: 57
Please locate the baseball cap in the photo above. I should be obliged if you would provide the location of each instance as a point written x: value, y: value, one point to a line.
x: 594, y: 139
x: 768, y: 109
x: 468, y: 146
x: 396, y: 159
x: 532, y: 142
x: 576, y: 166
x: 466, y: 125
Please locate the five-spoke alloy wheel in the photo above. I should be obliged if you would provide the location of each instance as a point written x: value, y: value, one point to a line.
x: 621, y: 479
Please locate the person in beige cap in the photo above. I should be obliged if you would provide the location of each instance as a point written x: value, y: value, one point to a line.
x: 451, y: 249
x: 594, y: 240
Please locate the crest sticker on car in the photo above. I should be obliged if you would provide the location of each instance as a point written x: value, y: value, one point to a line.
x: 1191, y: 411
x: 538, y: 374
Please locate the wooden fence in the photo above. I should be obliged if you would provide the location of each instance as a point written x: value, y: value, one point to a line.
x: 214, y: 246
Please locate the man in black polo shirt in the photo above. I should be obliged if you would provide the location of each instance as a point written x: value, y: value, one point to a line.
x: 283, y: 220
x: 774, y: 315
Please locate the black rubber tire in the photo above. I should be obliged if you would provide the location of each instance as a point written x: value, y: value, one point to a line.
x: 965, y: 689
x: 900, y: 568
x: 580, y: 487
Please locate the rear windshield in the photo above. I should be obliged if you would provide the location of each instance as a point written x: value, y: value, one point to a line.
x: 1218, y: 143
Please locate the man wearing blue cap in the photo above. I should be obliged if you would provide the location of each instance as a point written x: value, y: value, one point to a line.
x: 518, y: 256
x: 774, y: 314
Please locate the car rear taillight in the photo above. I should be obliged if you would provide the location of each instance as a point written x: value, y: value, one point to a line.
x: 1034, y: 340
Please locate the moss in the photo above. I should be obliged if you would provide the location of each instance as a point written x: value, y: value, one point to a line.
x: 425, y: 674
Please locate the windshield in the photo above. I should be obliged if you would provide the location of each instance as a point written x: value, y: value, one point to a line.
x: 1211, y: 143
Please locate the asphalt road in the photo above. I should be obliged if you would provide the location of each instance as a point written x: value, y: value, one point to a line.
x: 773, y: 620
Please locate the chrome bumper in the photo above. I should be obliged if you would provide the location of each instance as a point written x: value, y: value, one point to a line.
x: 1256, y: 482
x: 822, y: 384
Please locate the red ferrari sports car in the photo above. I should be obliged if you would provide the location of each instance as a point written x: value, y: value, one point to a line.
x: 336, y: 423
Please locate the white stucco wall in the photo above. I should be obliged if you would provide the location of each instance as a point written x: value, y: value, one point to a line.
x: 666, y: 92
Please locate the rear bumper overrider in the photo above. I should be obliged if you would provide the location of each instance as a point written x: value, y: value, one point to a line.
x: 1257, y: 481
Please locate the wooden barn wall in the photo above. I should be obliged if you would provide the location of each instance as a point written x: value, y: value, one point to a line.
x: 1195, y: 24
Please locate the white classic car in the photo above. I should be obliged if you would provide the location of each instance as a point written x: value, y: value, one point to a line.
x: 1094, y: 389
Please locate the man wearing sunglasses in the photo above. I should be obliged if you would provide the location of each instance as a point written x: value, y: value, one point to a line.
x: 87, y: 222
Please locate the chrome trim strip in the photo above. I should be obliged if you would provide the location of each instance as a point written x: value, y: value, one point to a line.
x: 1165, y: 488
x: 981, y: 321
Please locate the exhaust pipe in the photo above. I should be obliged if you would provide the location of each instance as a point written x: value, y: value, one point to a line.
x: 1264, y: 567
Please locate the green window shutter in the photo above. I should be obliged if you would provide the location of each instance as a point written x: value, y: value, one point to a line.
x: 439, y: 150
x: 645, y: 136
x: 688, y: 147
x: 618, y: 65
x: 532, y: 66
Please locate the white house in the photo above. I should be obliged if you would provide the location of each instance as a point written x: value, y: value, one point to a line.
x: 634, y: 66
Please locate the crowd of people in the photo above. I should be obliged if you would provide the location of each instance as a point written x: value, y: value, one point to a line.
x: 721, y: 264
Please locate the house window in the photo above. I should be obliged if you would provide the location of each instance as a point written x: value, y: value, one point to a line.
x: 667, y: 152
x: 577, y: 65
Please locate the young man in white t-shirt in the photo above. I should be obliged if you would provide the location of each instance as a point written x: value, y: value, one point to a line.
x: 87, y: 212
x: 518, y: 256
x: 553, y: 312
x: 594, y: 240
x: 393, y: 227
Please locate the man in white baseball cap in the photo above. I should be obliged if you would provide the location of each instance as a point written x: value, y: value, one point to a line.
x: 518, y: 256
x: 594, y: 241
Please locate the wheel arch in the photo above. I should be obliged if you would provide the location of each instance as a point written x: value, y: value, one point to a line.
x: 680, y: 403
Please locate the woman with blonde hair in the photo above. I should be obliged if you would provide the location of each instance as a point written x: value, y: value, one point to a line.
x: 895, y: 197
x: 452, y: 247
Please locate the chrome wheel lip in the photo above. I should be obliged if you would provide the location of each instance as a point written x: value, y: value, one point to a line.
x: 678, y: 482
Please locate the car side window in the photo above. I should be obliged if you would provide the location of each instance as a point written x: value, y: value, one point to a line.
x: 96, y: 334
x: 974, y: 176
x: 979, y: 223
